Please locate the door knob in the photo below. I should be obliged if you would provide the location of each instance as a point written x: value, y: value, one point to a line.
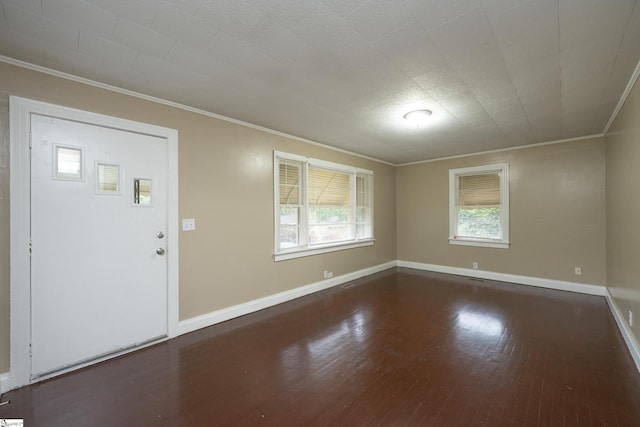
x: 159, y: 234
x: 160, y: 251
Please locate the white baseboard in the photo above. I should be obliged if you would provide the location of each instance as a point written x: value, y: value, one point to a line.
x: 511, y: 278
x: 4, y: 382
x: 228, y: 313
x: 627, y: 334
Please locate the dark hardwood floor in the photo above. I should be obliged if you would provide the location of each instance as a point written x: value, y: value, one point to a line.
x: 401, y: 347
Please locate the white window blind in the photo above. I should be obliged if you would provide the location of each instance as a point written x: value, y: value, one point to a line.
x: 290, y: 192
x: 479, y: 190
x: 329, y: 188
x: 364, y: 206
x: 290, y: 181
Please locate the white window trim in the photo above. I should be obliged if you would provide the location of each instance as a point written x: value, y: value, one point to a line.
x: 308, y: 249
x: 503, y: 243
x: 316, y: 250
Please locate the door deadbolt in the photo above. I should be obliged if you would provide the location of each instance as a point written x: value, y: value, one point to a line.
x: 159, y: 234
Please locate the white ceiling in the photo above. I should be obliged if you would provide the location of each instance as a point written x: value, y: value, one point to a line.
x: 495, y: 73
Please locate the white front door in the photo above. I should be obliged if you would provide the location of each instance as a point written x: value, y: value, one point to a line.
x: 98, y: 235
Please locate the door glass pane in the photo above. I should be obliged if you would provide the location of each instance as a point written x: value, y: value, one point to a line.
x: 68, y: 163
x: 108, y: 178
x: 142, y: 191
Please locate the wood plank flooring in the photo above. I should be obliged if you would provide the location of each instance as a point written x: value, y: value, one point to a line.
x: 398, y: 348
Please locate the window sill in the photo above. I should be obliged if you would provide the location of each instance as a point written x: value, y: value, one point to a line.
x: 315, y: 250
x: 480, y: 243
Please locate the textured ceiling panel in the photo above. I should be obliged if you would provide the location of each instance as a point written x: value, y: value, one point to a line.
x: 495, y: 73
x: 84, y: 16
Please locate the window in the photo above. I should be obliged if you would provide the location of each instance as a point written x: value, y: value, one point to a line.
x: 320, y: 206
x: 479, y: 206
x: 141, y: 192
x: 108, y: 178
x: 67, y: 163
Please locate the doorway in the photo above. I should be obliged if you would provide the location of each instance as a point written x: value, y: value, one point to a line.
x: 94, y: 238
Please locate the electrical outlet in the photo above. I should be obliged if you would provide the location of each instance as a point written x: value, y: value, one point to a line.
x: 578, y: 271
x: 475, y: 265
x: 328, y: 274
x: 630, y: 318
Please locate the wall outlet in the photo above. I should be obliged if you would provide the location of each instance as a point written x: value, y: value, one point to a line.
x: 578, y: 271
x: 328, y: 274
x: 475, y: 265
x: 630, y: 318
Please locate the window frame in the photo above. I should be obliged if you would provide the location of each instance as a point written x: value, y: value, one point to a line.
x: 304, y: 247
x: 62, y: 176
x: 503, y: 242
x: 118, y: 189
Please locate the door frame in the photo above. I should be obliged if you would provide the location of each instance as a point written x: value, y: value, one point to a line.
x: 20, y: 111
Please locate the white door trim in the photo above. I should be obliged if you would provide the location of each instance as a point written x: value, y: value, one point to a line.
x: 20, y: 110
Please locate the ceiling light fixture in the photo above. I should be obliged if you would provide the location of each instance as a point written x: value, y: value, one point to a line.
x: 418, y: 117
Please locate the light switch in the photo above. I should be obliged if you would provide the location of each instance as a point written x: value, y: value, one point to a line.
x: 188, y: 224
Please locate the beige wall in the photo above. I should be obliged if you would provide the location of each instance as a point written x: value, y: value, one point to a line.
x: 623, y: 208
x: 228, y: 259
x: 557, y: 213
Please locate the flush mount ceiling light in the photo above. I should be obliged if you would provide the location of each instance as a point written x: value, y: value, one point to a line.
x: 418, y: 117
